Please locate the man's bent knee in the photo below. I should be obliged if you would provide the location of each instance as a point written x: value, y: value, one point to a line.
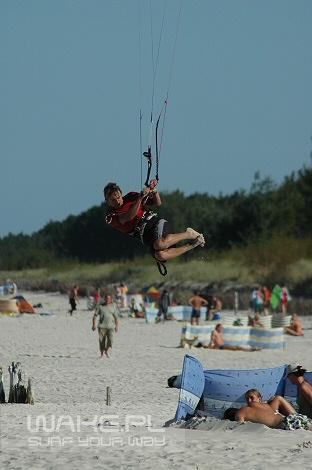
x: 161, y: 255
x: 162, y: 243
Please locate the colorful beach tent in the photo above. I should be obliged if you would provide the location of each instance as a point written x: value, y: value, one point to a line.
x: 23, y: 305
x: 153, y: 292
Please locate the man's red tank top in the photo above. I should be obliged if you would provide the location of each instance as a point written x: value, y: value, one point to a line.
x: 112, y: 217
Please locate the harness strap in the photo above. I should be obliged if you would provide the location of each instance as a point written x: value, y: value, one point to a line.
x: 148, y: 155
x: 161, y: 267
x: 139, y: 229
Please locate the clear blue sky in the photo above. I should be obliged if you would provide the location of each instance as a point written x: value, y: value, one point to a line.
x: 240, y: 100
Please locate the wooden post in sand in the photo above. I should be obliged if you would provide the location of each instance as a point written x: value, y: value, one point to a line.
x: 11, y: 392
x: 21, y: 394
x: 236, y: 301
x: 17, y: 393
x: 108, y: 396
x: 30, y: 397
x: 2, y: 394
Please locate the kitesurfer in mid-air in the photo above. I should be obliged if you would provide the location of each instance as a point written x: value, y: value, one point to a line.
x: 131, y: 214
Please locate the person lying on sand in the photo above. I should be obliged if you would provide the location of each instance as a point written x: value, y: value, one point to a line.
x: 278, y: 413
x: 296, y: 376
x: 295, y: 327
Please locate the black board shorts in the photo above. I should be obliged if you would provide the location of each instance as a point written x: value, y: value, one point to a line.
x: 155, y: 229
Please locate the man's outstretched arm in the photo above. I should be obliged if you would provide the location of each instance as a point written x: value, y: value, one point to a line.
x: 154, y: 198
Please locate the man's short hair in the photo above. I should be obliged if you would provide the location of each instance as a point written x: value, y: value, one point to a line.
x: 253, y: 391
x: 230, y: 414
x: 110, y: 188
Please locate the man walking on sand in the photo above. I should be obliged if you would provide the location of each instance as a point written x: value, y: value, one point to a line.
x: 73, y: 298
x: 108, y: 323
x: 196, y: 301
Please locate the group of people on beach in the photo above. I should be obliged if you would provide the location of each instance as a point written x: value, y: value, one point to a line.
x: 212, y: 304
x: 265, y: 300
x: 295, y: 327
x: 277, y: 412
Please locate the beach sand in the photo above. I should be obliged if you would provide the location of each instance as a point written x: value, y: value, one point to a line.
x: 60, y: 353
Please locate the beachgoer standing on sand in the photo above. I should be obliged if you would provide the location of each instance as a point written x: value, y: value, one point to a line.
x: 108, y: 323
x: 97, y: 296
x: 163, y: 305
x: 123, y: 295
x: 196, y: 301
x: 266, y: 299
x: 276, y: 298
x: 285, y: 298
x: 73, y: 298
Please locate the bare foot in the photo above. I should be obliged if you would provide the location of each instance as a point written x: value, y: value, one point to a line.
x: 194, y: 235
x: 197, y: 242
x: 202, y: 240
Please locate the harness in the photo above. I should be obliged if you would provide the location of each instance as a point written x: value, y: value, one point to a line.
x: 139, y: 232
x: 139, y: 229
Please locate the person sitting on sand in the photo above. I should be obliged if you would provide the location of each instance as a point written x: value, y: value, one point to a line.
x: 196, y: 302
x: 108, y: 323
x: 295, y: 327
x: 277, y: 413
x: 215, y: 310
x: 255, y: 321
x: 296, y: 376
x: 217, y: 341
